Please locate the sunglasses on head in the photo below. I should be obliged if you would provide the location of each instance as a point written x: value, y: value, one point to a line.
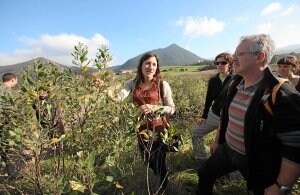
x: 221, y: 63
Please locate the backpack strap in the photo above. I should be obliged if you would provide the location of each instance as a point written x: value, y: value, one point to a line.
x: 273, y: 95
x: 161, y: 91
x: 235, y: 80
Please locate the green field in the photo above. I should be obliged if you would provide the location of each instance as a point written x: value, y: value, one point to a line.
x: 181, y: 68
x: 180, y: 71
x: 187, y: 72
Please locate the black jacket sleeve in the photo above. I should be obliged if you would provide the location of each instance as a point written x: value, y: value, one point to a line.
x: 209, y: 97
x: 286, y: 122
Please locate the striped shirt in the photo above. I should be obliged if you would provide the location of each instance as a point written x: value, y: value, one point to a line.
x: 237, y: 109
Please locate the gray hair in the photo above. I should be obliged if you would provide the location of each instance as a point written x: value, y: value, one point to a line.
x: 261, y: 42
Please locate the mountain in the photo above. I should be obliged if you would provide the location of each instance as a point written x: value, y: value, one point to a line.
x: 172, y: 55
x: 18, y: 68
x: 288, y: 49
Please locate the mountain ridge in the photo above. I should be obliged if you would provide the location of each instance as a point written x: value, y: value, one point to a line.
x: 172, y: 55
x: 19, y: 67
x: 288, y: 49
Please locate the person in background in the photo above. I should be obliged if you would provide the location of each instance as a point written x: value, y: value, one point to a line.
x: 146, y: 96
x: 264, y: 148
x: 287, y: 67
x: 96, y: 80
x: 9, y: 80
x: 210, y: 119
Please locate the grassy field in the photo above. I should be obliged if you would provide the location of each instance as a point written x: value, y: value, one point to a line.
x: 179, y: 70
x: 185, y: 71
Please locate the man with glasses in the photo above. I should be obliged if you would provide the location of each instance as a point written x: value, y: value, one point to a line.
x: 264, y: 148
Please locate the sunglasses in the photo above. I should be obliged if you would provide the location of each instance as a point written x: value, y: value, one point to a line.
x: 221, y: 63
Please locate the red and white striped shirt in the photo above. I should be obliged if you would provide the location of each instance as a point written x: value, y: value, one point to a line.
x: 237, y: 109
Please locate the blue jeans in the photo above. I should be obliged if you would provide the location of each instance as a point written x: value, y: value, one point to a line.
x: 222, y: 162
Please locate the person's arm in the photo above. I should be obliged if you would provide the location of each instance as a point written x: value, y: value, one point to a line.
x: 208, y: 98
x: 123, y: 93
x: 288, y: 175
x: 287, y: 128
x: 169, y: 106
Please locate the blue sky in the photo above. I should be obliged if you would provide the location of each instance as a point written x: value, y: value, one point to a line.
x: 51, y: 28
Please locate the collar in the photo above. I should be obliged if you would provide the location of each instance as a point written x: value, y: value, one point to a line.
x: 252, y: 87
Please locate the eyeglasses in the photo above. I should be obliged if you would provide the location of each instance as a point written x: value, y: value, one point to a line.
x: 246, y: 52
x: 221, y: 63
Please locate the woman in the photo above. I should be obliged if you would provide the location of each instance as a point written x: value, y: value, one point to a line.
x: 146, y: 89
x: 209, y: 121
x: 287, y: 67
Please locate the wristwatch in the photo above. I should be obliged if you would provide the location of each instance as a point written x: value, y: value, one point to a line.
x: 285, y: 189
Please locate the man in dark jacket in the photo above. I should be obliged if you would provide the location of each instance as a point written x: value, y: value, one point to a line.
x: 264, y: 148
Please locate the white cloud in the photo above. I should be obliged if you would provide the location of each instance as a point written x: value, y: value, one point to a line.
x: 284, y: 30
x: 264, y: 28
x: 287, y: 35
x: 196, y: 27
x: 6, y: 59
x: 282, y: 33
x: 55, y: 47
x: 273, y: 7
x: 289, y: 10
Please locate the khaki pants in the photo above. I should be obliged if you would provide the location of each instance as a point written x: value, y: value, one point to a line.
x: 198, y: 131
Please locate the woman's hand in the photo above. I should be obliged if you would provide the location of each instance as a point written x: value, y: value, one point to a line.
x: 110, y: 95
x: 148, y: 108
x: 200, y: 121
x: 273, y: 190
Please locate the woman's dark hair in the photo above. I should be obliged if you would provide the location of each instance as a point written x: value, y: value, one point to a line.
x: 228, y: 57
x: 8, y: 76
x: 139, y: 76
x: 290, y: 60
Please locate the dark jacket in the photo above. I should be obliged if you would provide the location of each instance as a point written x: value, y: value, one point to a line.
x: 214, y: 95
x: 267, y: 139
x: 298, y: 86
